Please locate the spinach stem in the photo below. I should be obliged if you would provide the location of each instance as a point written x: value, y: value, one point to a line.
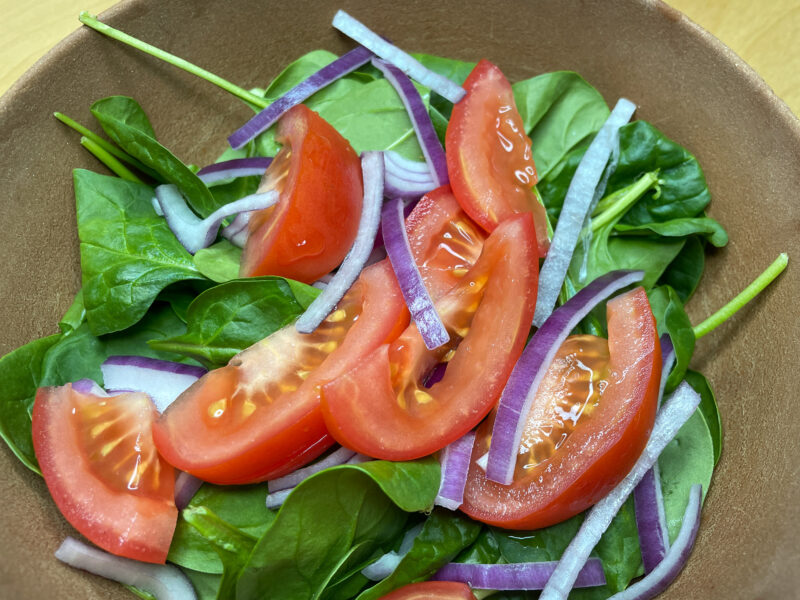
x: 107, y: 146
x: 616, y: 204
x: 747, y: 294
x: 112, y: 163
x: 94, y: 23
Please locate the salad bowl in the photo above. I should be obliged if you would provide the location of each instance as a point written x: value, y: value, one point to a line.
x: 683, y: 81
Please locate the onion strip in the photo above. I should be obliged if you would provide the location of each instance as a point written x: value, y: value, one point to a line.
x: 517, y: 576
x: 455, y: 467
x: 231, y: 169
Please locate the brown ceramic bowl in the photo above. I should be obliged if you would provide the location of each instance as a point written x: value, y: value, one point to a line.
x: 685, y: 82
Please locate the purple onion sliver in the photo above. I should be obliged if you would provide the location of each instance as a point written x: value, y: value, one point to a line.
x: 165, y: 582
x: 87, y: 386
x: 517, y: 576
x: 670, y: 418
x: 338, y: 457
x: 165, y: 366
x: 359, y: 458
x: 651, y: 520
x: 420, y: 119
x: 417, y: 298
x: 455, y: 467
x: 515, y: 402
x: 276, y: 499
x: 325, y: 76
x: 676, y: 558
x: 186, y: 486
x: 436, y: 375
x: 236, y: 167
x: 238, y: 231
x: 397, y: 57
x: 406, y: 178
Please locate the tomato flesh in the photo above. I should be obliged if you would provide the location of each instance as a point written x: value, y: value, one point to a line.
x: 432, y: 590
x: 103, y: 472
x: 258, y: 417
x: 488, y: 315
x: 489, y: 157
x: 589, y: 422
x: 311, y: 228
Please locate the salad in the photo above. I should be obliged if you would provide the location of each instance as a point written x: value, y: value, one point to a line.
x: 346, y: 424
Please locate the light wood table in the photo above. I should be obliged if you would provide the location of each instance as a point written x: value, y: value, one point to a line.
x: 764, y: 34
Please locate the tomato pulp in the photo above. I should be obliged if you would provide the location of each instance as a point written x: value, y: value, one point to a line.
x: 103, y: 472
x: 432, y: 590
x: 488, y: 316
x: 489, y: 158
x: 589, y: 422
x: 311, y: 228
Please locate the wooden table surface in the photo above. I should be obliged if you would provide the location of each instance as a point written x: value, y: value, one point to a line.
x: 764, y: 34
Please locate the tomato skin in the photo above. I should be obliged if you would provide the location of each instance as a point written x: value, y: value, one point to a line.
x: 494, y: 303
x: 432, y: 590
x: 92, y: 495
x: 600, y: 451
x: 489, y: 157
x: 313, y: 225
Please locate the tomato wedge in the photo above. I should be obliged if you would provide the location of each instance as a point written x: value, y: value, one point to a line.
x: 489, y: 158
x: 258, y: 417
x: 382, y: 409
x: 432, y: 590
x: 588, y: 424
x: 311, y: 228
x: 103, y: 472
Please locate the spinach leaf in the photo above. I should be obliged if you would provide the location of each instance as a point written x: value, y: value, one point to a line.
x: 75, y: 315
x: 354, y: 511
x: 681, y: 228
x: 232, y: 316
x: 242, y: 508
x: 219, y: 262
x: 19, y: 372
x: 128, y: 253
x: 126, y: 124
x: 560, y: 110
x: 206, y: 585
x: 708, y: 408
x: 684, y: 272
x: 443, y: 536
x: 672, y: 319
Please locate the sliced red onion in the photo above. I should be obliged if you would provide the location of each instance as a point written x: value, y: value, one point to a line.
x: 325, y: 76
x: 162, y: 380
x: 386, y: 564
x: 436, y: 375
x: 237, y: 232
x: 651, y: 520
x: 186, y: 486
x: 359, y: 458
x: 338, y: 457
x: 670, y: 418
x: 417, y: 298
x: 165, y: 582
x: 517, y: 576
x: 350, y: 269
x: 668, y: 569
x: 455, y: 466
x: 195, y: 233
x: 276, y: 499
x: 521, y: 388
x: 420, y: 119
x: 404, y: 179
x: 87, y: 386
x: 577, y: 205
x: 236, y: 167
x: 392, y: 54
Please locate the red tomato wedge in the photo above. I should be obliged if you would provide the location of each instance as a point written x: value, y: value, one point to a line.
x: 103, y: 472
x: 311, y: 228
x: 382, y: 409
x: 258, y: 417
x: 489, y: 158
x: 432, y: 590
x: 588, y: 424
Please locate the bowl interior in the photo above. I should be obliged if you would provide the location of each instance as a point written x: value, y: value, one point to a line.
x: 684, y: 82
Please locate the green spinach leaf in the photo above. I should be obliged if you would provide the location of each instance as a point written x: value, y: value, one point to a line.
x: 708, y: 408
x: 684, y: 272
x: 684, y: 227
x: 219, y: 262
x: 672, y: 319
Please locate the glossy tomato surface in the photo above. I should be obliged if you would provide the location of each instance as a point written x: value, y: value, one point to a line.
x: 488, y: 315
x: 311, y: 228
x: 489, y: 158
x: 103, y: 472
x: 589, y: 422
x: 258, y: 417
x: 432, y: 590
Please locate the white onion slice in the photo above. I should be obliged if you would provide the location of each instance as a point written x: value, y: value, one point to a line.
x: 400, y: 59
x: 237, y: 232
x: 338, y: 457
x: 404, y: 178
x: 350, y: 269
x: 577, y: 205
x: 673, y: 414
x: 165, y: 582
x: 455, y: 467
x: 386, y: 564
x: 231, y: 169
x: 276, y: 499
x: 195, y: 233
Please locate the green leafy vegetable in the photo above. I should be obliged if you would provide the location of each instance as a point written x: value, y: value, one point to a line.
x: 684, y: 272
x: 708, y: 408
x: 672, y: 319
x: 219, y: 262
x: 232, y: 316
